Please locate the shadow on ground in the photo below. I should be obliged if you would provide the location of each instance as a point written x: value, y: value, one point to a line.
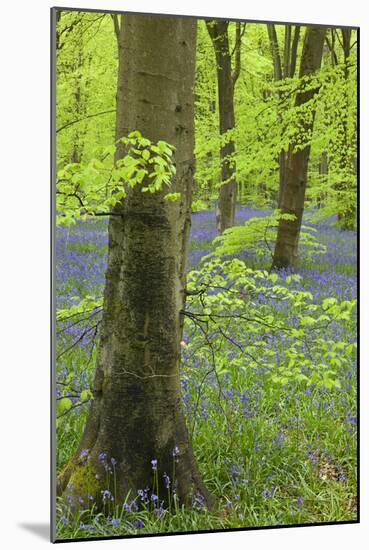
x: 42, y: 530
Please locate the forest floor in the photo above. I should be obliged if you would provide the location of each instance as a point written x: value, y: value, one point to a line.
x: 272, y: 455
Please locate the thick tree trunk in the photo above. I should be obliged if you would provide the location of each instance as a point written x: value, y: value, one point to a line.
x: 218, y: 31
x: 285, y: 253
x: 136, y: 414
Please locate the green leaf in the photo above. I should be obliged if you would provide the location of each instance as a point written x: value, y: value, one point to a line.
x: 64, y: 405
x: 146, y: 154
x: 172, y: 197
x: 86, y: 394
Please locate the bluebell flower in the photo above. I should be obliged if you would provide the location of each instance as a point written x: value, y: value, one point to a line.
x: 138, y: 524
x: 166, y: 480
x: 106, y: 494
x: 268, y: 493
x: 198, y: 501
x: 300, y: 502
x: 84, y: 454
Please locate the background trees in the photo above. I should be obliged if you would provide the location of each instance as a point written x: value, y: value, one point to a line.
x: 296, y: 163
x: 262, y: 103
x: 227, y: 78
x: 283, y: 67
x: 279, y: 137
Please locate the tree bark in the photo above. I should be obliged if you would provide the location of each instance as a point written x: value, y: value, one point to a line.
x: 80, y: 105
x: 323, y: 175
x: 285, y: 253
x: 218, y: 31
x: 293, y: 58
x: 289, y: 66
x: 276, y: 57
x: 343, y: 160
x: 136, y: 414
x: 346, y: 213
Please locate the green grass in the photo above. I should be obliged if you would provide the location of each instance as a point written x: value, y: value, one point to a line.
x: 290, y: 459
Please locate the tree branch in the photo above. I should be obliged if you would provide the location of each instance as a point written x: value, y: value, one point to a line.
x: 114, y: 17
x: 237, y: 51
x: 83, y: 118
x: 331, y: 49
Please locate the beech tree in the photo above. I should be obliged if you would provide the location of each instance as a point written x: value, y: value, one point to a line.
x: 283, y: 68
x: 293, y: 195
x: 227, y: 78
x: 136, y: 414
x: 345, y: 161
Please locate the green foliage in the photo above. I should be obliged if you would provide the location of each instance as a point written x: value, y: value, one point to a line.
x: 172, y: 197
x: 258, y: 236
x: 229, y: 301
x: 63, y: 405
x: 199, y: 205
x: 271, y: 427
x: 296, y: 374
x: 91, y: 189
x: 87, y: 61
x: 268, y: 122
x: 84, y: 307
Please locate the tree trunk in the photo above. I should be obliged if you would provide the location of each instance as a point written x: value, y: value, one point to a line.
x: 293, y: 59
x: 218, y: 31
x: 136, y: 414
x: 80, y: 105
x: 346, y: 214
x: 289, y: 65
x: 285, y: 253
x: 323, y: 175
x: 287, y: 50
x: 276, y: 56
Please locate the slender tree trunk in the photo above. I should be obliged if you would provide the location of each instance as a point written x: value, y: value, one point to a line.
x: 218, y: 31
x: 287, y: 50
x: 285, y: 253
x: 282, y: 157
x: 136, y: 414
x: 295, y: 44
x: 288, y: 70
x: 80, y: 105
x: 276, y: 57
x: 343, y: 161
x: 278, y: 75
x: 323, y: 175
x: 346, y: 213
